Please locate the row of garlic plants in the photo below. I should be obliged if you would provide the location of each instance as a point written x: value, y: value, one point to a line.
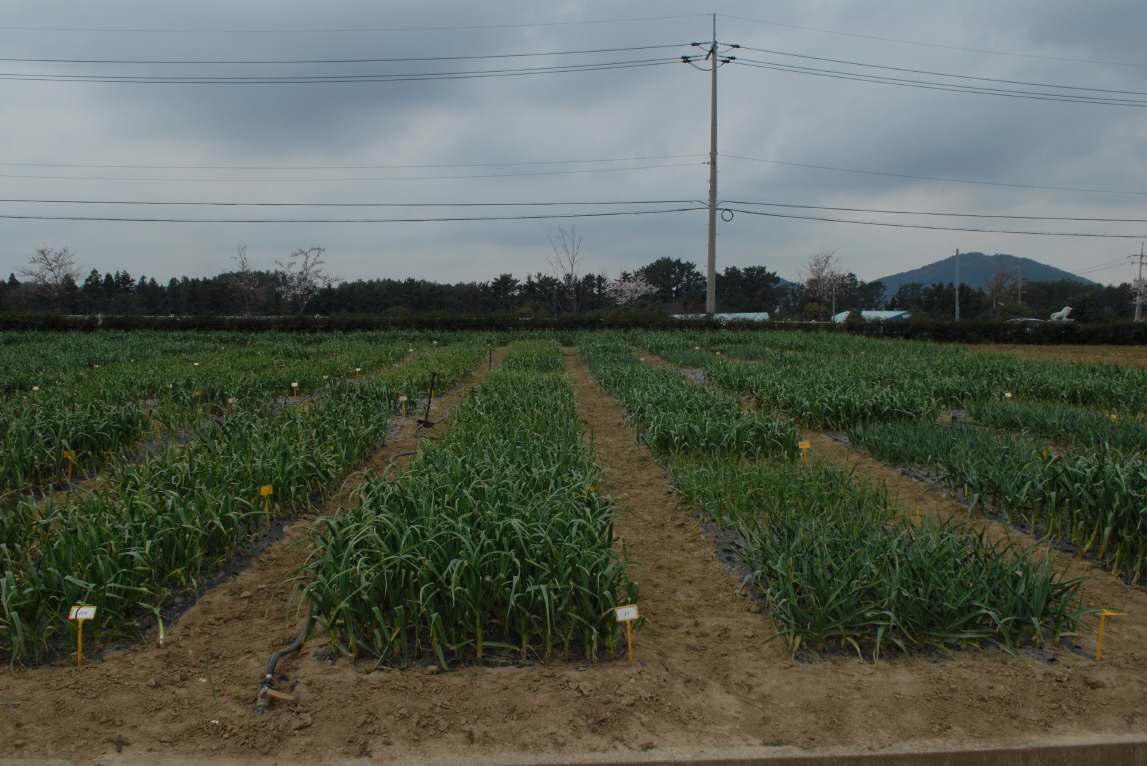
x: 836, y: 381
x: 1067, y: 425
x: 1091, y: 496
x: 497, y: 541
x: 1092, y: 499
x: 834, y: 562
x: 157, y: 527
x: 73, y: 423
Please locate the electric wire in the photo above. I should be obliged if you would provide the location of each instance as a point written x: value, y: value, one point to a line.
x: 388, y: 60
x: 329, y: 30
x: 939, y: 86
x: 213, y: 203
x: 928, y: 227
x: 935, y: 73
x: 337, y: 79
x: 923, y: 44
x: 445, y: 219
x: 886, y: 211
x: 941, y: 179
x: 389, y: 166
x: 349, y: 179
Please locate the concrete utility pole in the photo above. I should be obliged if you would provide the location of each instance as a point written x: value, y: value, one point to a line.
x: 957, y: 285
x: 1140, y: 286
x: 711, y: 286
x: 715, y: 57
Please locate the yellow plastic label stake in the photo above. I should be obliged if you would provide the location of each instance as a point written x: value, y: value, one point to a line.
x: 71, y: 458
x: 627, y: 614
x: 1007, y: 394
x: 294, y: 389
x: 1103, y: 616
x: 402, y: 404
x: 805, y: 446
x: 79, y: 614
x: 1113, y: 418
x: 265, y: 492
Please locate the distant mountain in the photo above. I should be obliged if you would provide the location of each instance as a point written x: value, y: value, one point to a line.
x: 977, y: 270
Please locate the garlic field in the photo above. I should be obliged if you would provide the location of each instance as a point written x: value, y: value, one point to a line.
x: 436, y: 530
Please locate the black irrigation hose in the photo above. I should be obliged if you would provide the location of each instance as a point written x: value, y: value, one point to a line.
x: 264, y: 695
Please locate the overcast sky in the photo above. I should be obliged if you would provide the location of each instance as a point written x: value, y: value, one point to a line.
x: 640, y: 112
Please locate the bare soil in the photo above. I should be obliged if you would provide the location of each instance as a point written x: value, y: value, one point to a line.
x: 1124, y: 356
x: 707, y: 676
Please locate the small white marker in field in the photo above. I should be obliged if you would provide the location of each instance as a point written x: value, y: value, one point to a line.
x: 195, y: 364
x: 1007, y: 394
x: 627, y: 614
x: 80, y: 613
x: 35, y: 389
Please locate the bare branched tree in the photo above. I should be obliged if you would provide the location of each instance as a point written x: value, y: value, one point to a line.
x: 566, y: 261
x: 1000, y: 287
x: 304, y: 274
x: 51, y: 271
x: 244, y: 280
x: 821, y: 277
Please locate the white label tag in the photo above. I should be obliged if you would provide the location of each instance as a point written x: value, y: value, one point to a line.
x: 82, y: 613
x: 626, y: 613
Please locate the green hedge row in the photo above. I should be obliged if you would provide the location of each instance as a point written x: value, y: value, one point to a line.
x: 1120, y: 333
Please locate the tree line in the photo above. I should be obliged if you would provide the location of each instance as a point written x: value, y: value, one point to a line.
x: 54, y: 283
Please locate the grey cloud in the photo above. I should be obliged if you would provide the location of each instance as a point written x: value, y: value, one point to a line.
x: 605, y: 114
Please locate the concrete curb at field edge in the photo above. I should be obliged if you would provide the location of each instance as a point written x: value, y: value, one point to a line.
x: 1051, y: 751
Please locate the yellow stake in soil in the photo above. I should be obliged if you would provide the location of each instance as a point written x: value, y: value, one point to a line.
x: 805, y: 446
x: 627, y: 614
x: 265, y: 492
x: 1103, y: 615
x: 80, y: 614
x: 71, y: 458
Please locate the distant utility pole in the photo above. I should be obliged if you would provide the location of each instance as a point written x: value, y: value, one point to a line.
x: 716, y: 58
x: 957, y: 285
x: 1140, y: 286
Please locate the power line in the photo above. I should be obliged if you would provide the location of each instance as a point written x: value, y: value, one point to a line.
x: 391, y: 166
x: 835, y: 74
x: 942, y: 179
x: 393, y: 60
x: 330, y: 30
x: 450, y: 219
x: 576, y: 171
x: 923, y: 44
x: 938, y: 228
x: 935, y: 73
x: 1107, y: 266
x: 887, y: 211
x: 213, y: 203
x: 337, y: 79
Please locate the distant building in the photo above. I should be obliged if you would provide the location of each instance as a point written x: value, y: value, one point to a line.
x: 875, y: 316
x: 739, y: 316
